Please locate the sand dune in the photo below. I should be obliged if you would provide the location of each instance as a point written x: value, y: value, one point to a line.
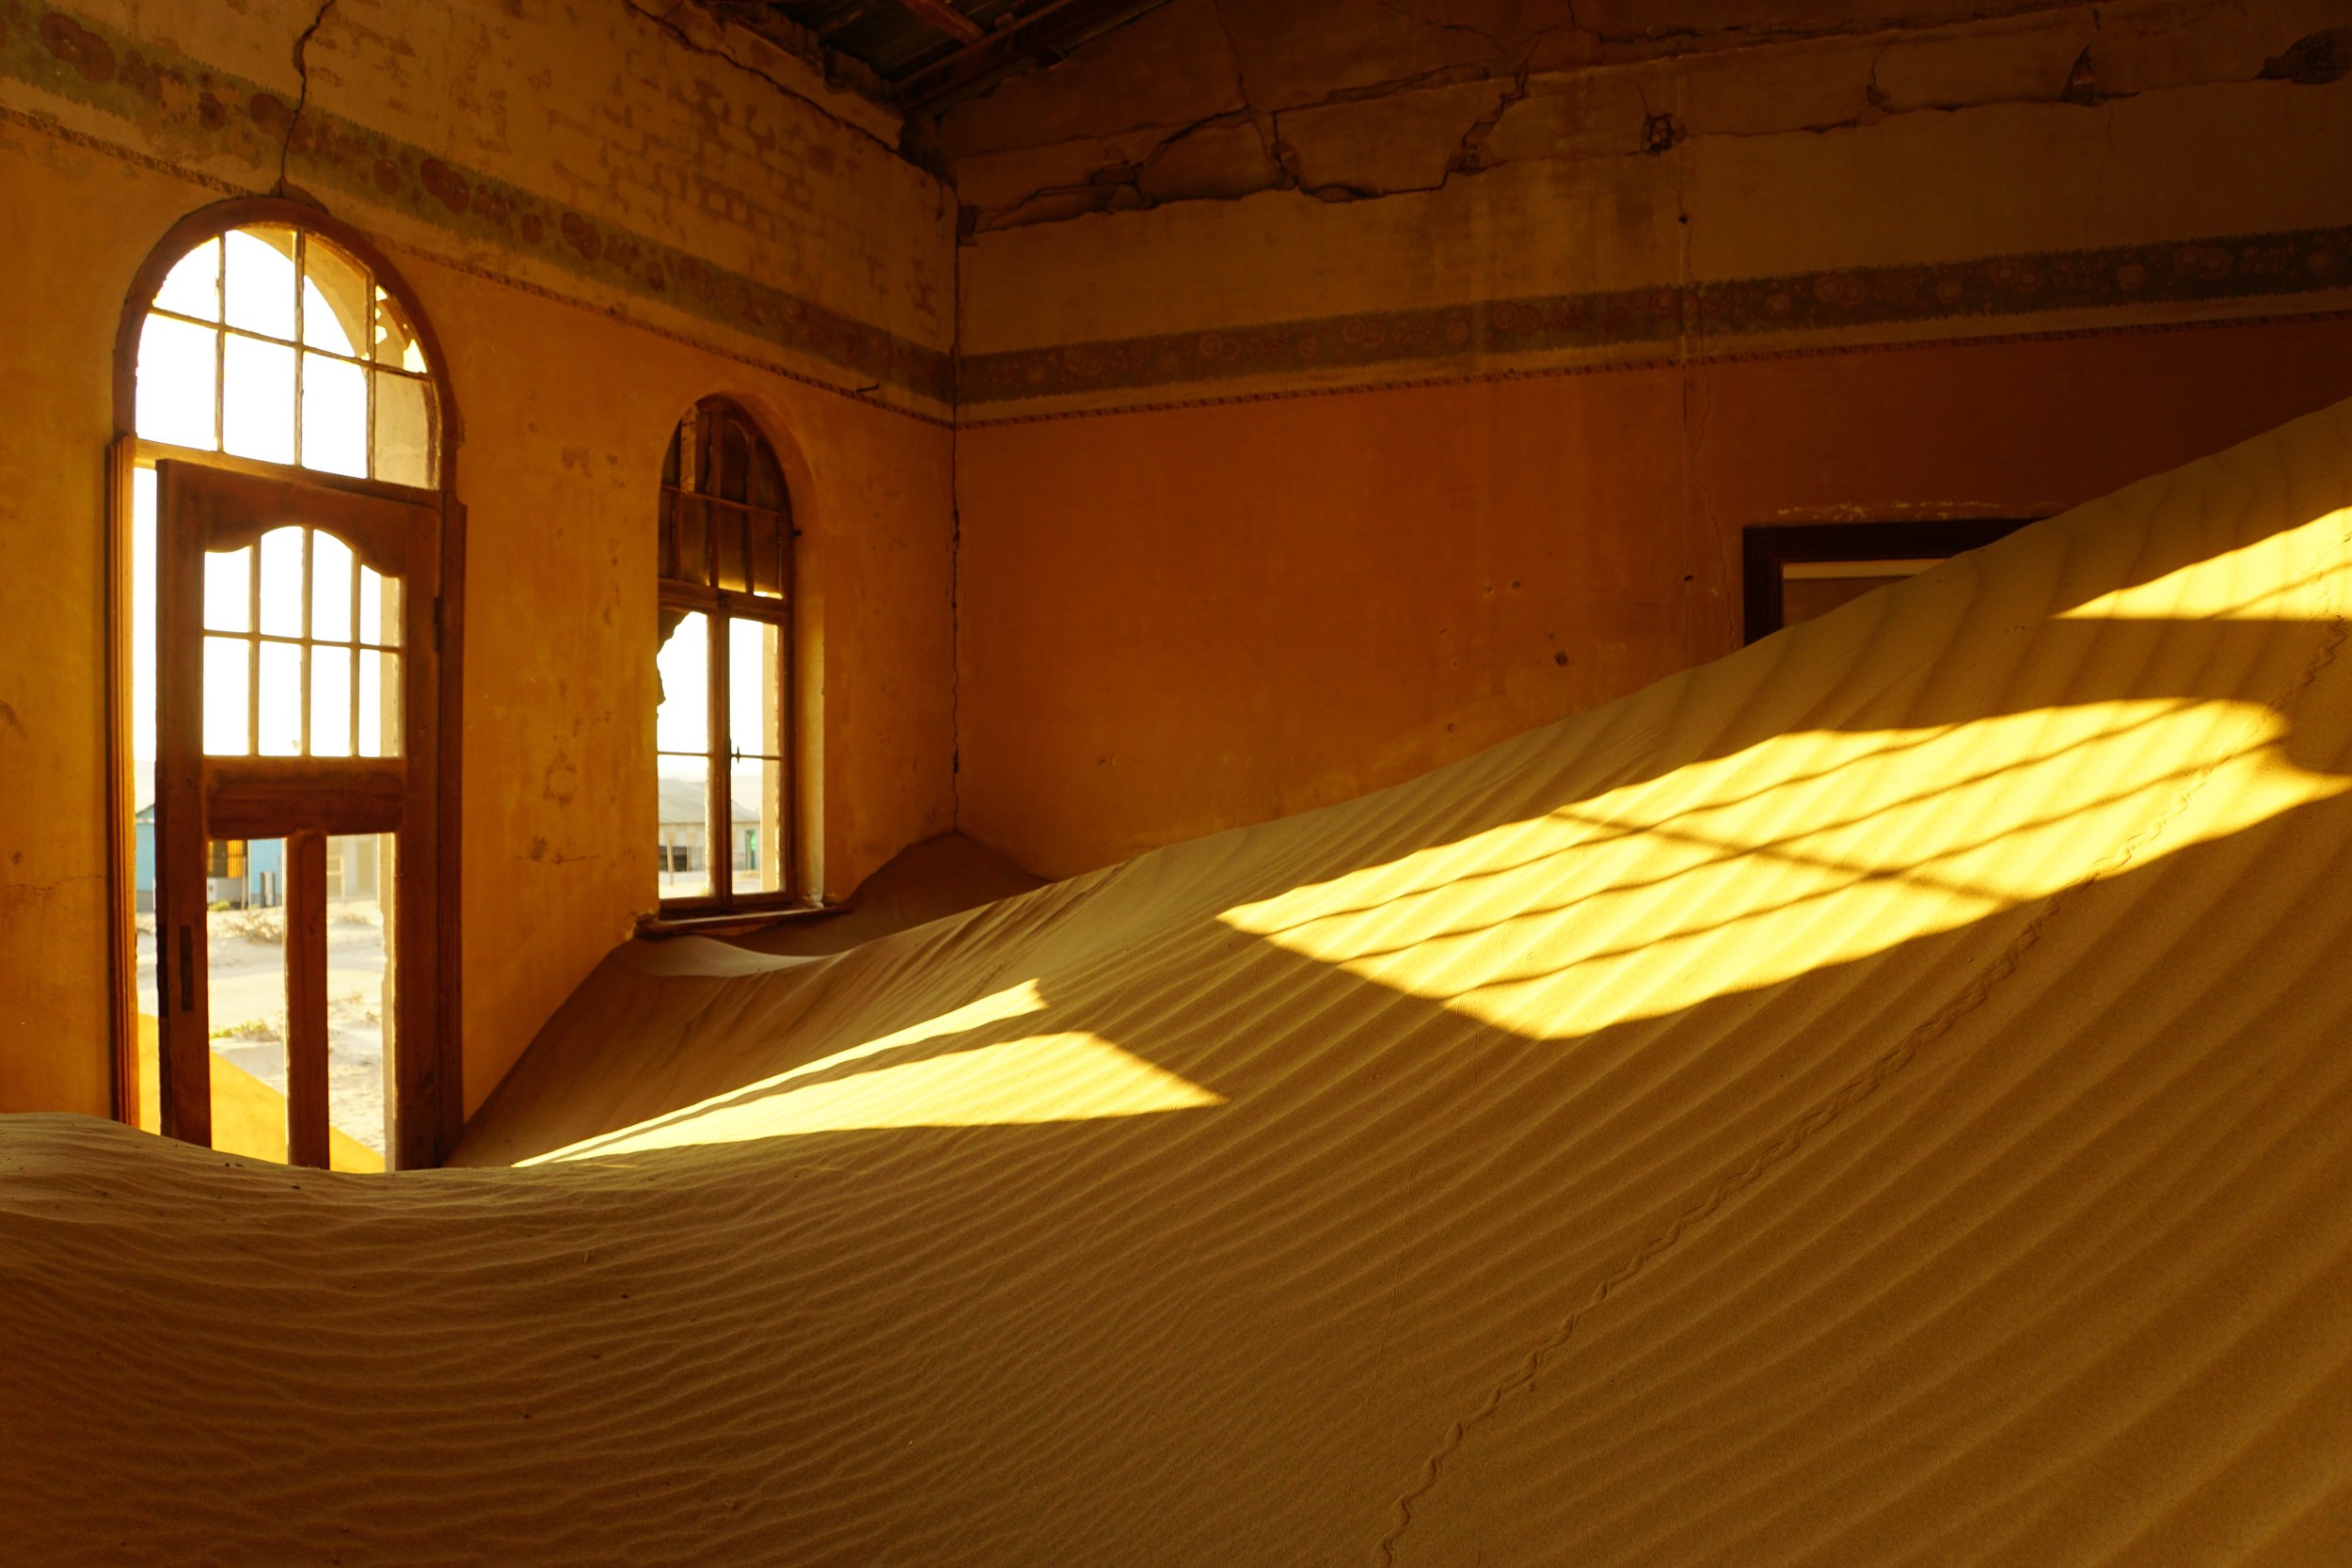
x: 1880, y: 1098
x: 923, y: 882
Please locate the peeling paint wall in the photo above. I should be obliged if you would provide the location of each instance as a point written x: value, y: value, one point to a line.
x: 1289, y: 395
x: 1295, y: 334
x: 1358, y: 100
x: 606, y: 215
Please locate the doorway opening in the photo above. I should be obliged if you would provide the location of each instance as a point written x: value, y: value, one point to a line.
x: 285, y: 591
x: 1795, y: 572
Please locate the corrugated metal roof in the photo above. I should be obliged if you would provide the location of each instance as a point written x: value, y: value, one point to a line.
x: 894, y: 39
x: 886, y: 34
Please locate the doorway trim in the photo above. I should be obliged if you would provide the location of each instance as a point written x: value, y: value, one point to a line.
x: 1765, y: 548
x: 424, y: 1145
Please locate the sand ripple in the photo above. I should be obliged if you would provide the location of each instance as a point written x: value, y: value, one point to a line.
x: 1880, y: 1098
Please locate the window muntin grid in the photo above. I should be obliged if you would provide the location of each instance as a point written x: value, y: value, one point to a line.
x: 301, y: 650
x: 727, y: 522
x: 723, y: 655
x: 269, y: 343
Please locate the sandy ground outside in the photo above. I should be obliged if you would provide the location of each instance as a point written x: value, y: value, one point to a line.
x: 246, y: 980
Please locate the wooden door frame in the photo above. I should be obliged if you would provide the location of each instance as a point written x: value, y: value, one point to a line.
x: 202, y: 510
x: 424, y: 1139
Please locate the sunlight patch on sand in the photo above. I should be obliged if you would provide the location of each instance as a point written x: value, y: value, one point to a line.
x: 1815, y: 848
x: 1062, y: 1076
x: 2296, y: 574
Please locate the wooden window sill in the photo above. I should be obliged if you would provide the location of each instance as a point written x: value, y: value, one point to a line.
x: 734, y: 922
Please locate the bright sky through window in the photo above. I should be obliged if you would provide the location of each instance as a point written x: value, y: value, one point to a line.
x: 270, y: 344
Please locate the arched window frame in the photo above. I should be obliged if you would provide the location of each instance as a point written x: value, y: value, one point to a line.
x: 684, y: 588
x: 426, y: 1139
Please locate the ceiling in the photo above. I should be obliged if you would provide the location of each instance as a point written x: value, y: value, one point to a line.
x: 928, y: 53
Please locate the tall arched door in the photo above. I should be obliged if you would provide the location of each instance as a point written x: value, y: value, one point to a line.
x: 322, y: 587
x: 287, y: 548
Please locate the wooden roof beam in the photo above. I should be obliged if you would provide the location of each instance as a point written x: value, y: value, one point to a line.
x: 947, y: 19
x: 1038, y: 32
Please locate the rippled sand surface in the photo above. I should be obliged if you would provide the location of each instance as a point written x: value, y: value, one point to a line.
x: 1884, y: 1098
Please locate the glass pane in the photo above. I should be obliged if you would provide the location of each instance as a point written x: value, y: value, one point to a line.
x: 403, y: 431
x: 685, y: 470
x: 281, y: 582
x: 726, y: 535
x: 682, y: 863
x: 395, y: 339
x: 692, y: 540
x: 228, y: 590
x: 176, y: 372
x: 767, y: 554
x: 331, y: 588
x: 334, y: 299
x: 143, y: 639
x: 758, y: 836
x: 193, y: 287
x: 225, y: 733
x: 766, y: 480
x: 379, y: 609
x: 358, y: 892
x: 755, y: 689
x: 334, y: 416
x: 148, y: 1001
x: 281, y: 700
x: 682, y: 670
x: 258, y: 400
x: 150, y: 1008
x: 260, y: 282
x: 755, y: 726
x: 379, y: 704
x: 245, y: 982
x: 733, y: 463
x: 331, y: 697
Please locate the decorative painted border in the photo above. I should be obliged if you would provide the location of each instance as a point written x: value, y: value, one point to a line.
x: 211, y: 112
x: 2226, y: 268
x: 1602, y: 366
x: 187, y: 101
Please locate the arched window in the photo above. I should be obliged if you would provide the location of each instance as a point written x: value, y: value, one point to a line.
x: 272, y: 343
x: 284, y: 597
x: 723, y: 669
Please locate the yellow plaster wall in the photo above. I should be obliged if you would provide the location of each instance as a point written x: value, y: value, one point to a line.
x: 58, y: 319
x: 679, y: 131
x: 568, y: 385
x: 567, y: 418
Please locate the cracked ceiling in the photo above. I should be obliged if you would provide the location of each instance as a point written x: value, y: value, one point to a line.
x: 1356, y: 100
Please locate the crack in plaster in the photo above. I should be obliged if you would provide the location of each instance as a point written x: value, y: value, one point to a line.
x: 1397, y: 7
x: 302, y: 98
x: 1119, y: 186
x: 667, y: 22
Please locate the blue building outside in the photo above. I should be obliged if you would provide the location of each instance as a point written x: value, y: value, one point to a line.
x: 246, y: 874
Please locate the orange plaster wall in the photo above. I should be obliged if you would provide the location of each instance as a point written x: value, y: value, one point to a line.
x: 1178, y: 620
